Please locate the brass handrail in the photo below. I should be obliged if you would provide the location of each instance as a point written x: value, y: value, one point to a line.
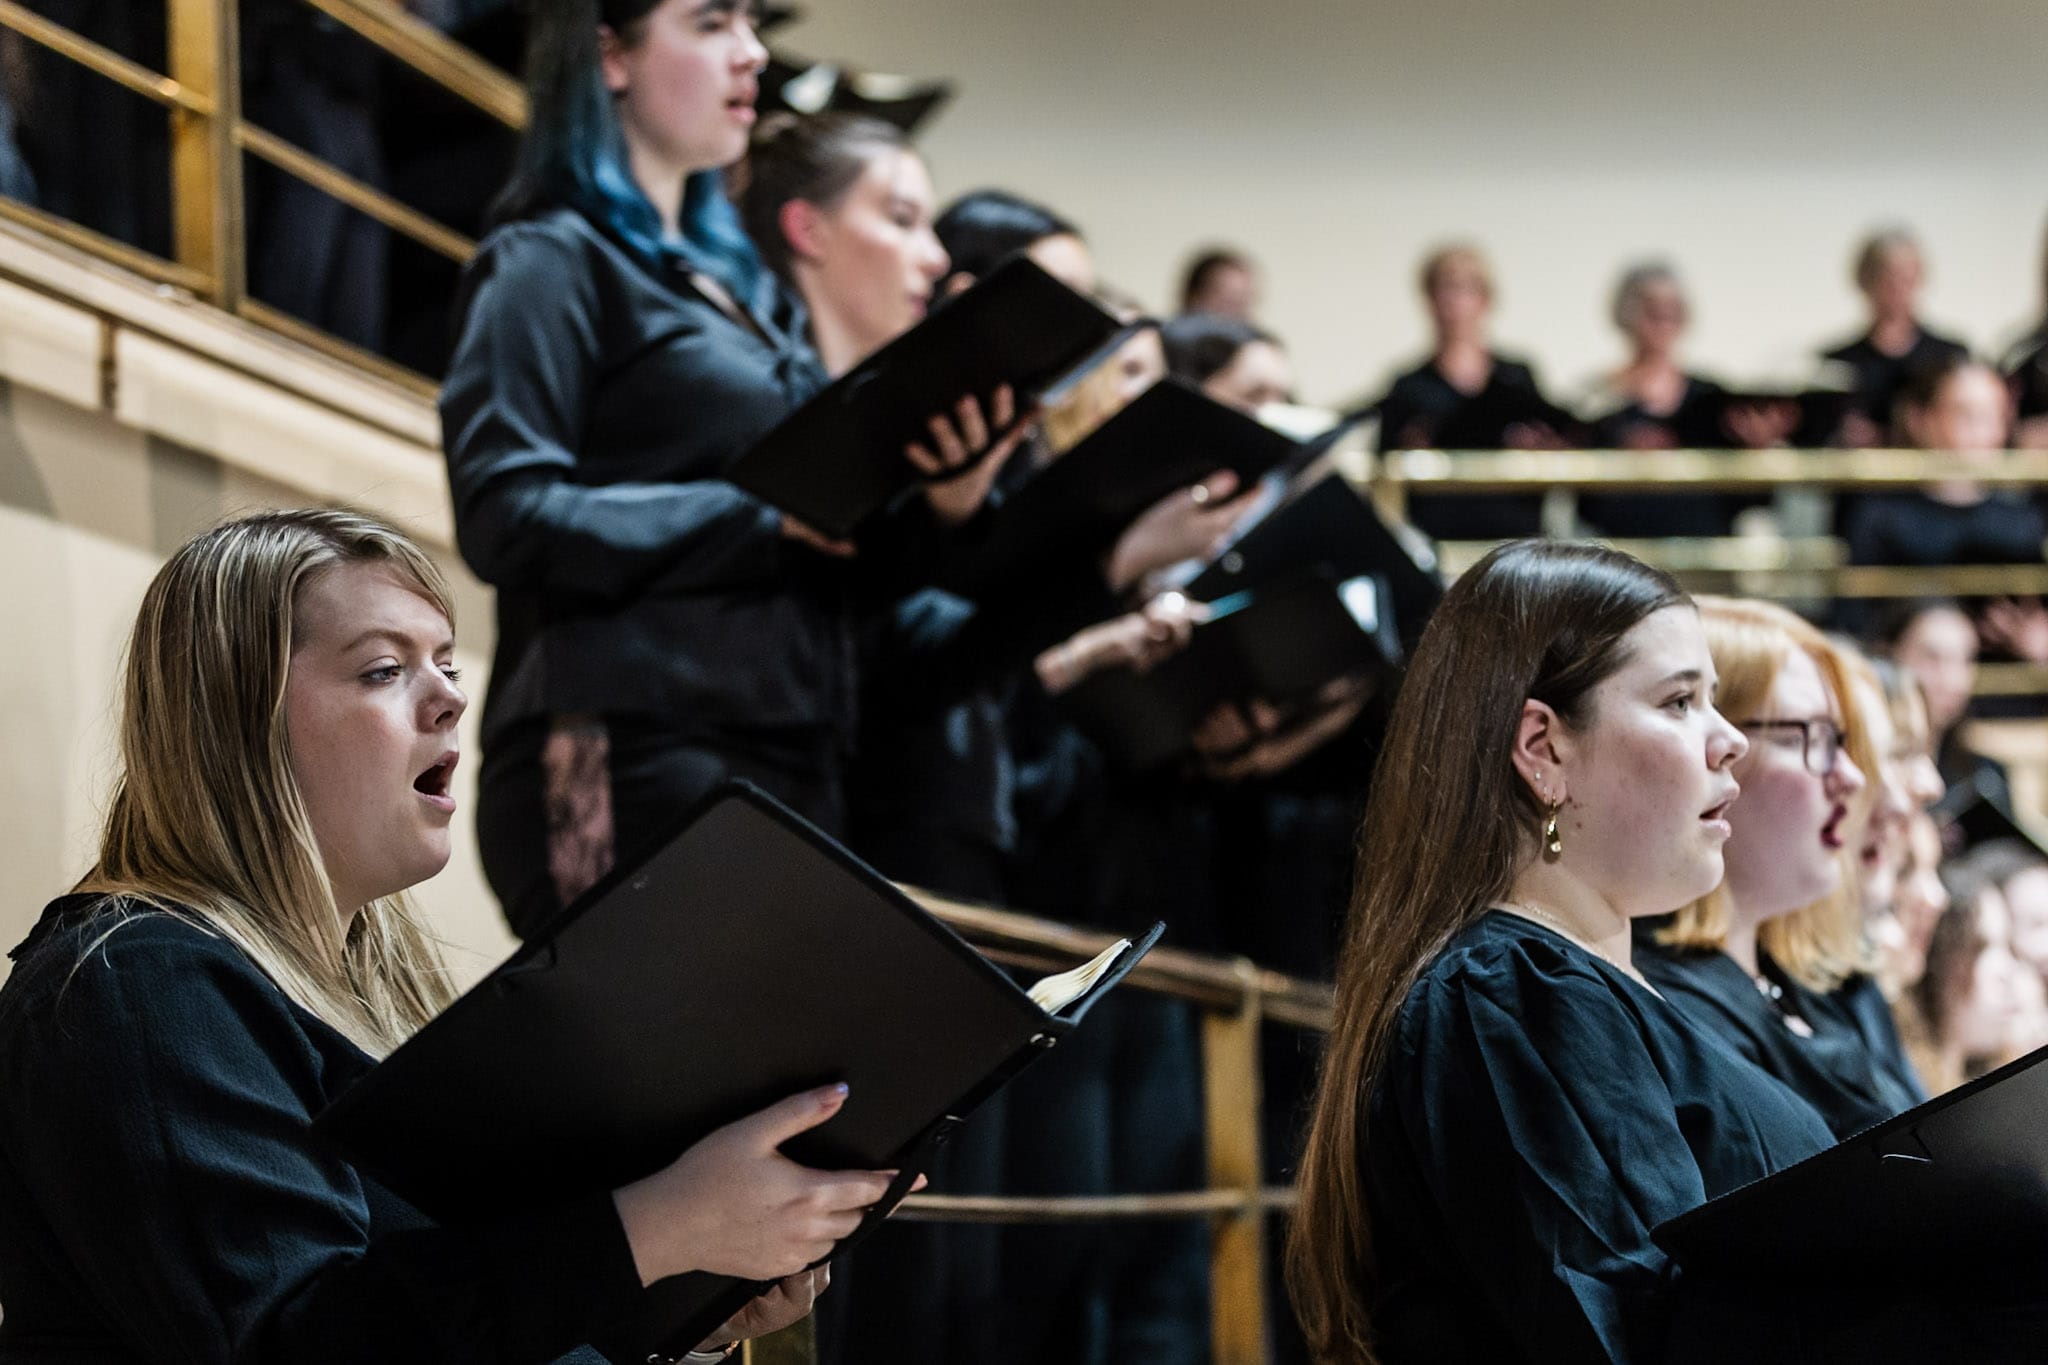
x: 366, y: 199
x: 132, y: 259
x: 1089, y: 1208
x: 1493, y: 471
x: 432, y: 54
x: 1216, y: 983
x: 2011, y: 680
x: 152, y: 85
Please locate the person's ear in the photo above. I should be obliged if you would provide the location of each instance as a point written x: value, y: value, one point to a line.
x: 611, y: 59
x: 804, y: 228
x: 1542, y: 753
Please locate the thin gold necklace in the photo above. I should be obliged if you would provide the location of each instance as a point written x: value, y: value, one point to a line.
x: 1554, y: 921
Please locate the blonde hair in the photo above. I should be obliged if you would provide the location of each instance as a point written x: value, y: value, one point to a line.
x: 1822, y: 944
x: 1876, y: 249
x: 207, y: 820
x: 1440, y: 261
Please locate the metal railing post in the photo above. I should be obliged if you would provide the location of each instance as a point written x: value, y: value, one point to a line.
x: 206, y: 163
x: 1232, y: 1101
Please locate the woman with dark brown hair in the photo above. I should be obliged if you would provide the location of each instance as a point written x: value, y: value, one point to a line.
x: 1507, y: 1109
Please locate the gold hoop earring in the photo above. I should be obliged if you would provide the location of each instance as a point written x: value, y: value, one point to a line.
x: 1553, y: 842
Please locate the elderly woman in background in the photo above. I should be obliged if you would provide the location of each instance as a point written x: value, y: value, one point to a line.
x: 1653, y: 403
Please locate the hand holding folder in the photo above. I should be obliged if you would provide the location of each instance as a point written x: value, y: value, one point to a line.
x: 846, y: 454
x: 1280, y: 644
x: 1168, y: 439
x: 744, y: 960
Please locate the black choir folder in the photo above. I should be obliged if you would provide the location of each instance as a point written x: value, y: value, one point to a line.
x: 1169, y: 437
x: 1954, y: 1183
x: 839, y: 458
x: 1326, y: 527
x: 1278, y: 644
x: 749, y: 958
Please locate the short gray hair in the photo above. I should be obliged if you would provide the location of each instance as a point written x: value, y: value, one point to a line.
x: 1637, y: 281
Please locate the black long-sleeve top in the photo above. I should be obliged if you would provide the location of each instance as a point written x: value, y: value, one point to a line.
x: 1912, y: 528
x: 1539, y: 1113
x: 590, y: 413
x: 1423, y: 409
x: 1880, y: 375
x: 2027, y: 374
x: 1697, y: 423
x: 1827, y: 1054
x: 165, y: 1200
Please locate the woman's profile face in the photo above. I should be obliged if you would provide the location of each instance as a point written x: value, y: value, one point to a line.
x: 1460, y: 296
x: 1922, y: 898
x: 1915, y: 754
x: 1972, y: 412
x: 685, y: 90
x: 1067, y: 259
x: 1894, y: 285
x: 1258, y: 375
x: 1989, y: 1003
x: 1940, y: 650
x: 1649, y: 774
x: 1657, y: 316
x: 2026, y: 898
x: 1792, y: 823
x: 872, y: 257
x: 1884, y: 836
x: 370, y: 706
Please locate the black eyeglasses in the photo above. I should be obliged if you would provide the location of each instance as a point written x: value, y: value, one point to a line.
x: 1820, y: 741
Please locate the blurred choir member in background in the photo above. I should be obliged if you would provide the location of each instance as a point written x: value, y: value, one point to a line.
x: 841, y: 207
x: 1652, y: 403
x: 315, y: 84
x: 17, y: 178
x: 1934, y: 641
x: 1221, y: 281
x: 1903, y: 891
x: 1466, y: 396
x: 1889, y: 270
x: 1974, y: 997
x: 984, y: 228
x: 1229, y: 359
x: 1954, y: 404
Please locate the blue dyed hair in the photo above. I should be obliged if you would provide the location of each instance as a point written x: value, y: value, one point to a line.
x: 573, y: 154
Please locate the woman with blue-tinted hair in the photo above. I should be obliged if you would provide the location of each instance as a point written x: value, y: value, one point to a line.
x: 658, y: 629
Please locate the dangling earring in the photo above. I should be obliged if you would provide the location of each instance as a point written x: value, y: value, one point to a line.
x: 1553, y: 842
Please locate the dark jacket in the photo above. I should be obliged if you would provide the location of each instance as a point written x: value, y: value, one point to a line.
x: 1423, y: 408
x: 589, y: 416
x: 165, y: 1200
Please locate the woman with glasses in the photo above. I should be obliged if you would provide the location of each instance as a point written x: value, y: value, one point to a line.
x: 1756, y: 960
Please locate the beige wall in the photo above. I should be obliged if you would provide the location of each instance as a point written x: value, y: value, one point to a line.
x: 89, y: 507
x: 1750, y: 140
